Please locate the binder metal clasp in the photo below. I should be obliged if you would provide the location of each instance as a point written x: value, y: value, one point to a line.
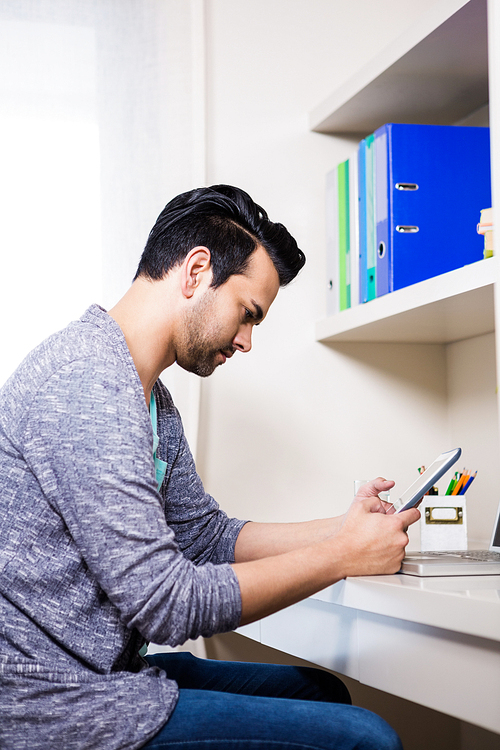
x: 406, y: 229
x: 406, y: 186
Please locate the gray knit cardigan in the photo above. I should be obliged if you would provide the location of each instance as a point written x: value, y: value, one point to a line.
x: 93, y: 560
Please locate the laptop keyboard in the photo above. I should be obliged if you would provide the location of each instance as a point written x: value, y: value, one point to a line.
x: 474, y: 554
x: 481, y: 555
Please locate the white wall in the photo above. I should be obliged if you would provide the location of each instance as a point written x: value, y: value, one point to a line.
x: 287, y: 428
x: 50, y: 233
x: 99, y: 127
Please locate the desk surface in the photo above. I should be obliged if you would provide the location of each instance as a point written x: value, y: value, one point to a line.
x: 463, y: 604
x: 446, y: 632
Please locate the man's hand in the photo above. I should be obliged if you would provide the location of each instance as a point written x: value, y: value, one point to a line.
x: 373, y: 541
x: 375, y: 537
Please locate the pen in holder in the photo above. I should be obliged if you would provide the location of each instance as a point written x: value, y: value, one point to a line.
x: 443, y: 523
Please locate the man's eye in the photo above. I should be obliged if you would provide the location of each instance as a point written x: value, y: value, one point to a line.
x: 248, y: 314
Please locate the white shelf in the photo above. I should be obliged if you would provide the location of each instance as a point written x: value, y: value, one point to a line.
x: 435, y: 73
x: 454, y: 306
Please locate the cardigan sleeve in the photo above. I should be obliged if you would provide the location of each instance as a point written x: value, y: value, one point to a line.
x: 203, y: 531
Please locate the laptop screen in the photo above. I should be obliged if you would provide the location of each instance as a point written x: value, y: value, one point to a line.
x: 495, y: 541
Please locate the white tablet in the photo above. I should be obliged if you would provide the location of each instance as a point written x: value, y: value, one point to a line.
x: 426, y: 480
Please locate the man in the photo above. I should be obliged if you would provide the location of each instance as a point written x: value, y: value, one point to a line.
x: 108, y: 539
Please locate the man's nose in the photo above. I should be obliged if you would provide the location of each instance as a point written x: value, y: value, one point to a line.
x: 243, y: 339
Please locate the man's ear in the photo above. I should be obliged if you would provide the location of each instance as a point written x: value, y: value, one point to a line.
x: 196, y: 271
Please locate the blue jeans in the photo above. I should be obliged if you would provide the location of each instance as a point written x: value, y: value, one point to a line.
x: 238, y: 706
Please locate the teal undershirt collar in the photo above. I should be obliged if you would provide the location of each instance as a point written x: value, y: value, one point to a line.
x: 160, y: 466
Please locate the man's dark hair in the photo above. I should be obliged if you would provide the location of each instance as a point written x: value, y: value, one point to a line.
x: 226, y: 221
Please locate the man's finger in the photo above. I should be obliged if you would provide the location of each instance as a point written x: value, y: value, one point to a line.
x: 409, y: 516
x: 374, y: 486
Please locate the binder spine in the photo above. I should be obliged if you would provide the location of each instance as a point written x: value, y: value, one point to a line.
x: 343, y: 230
x: 440, y: 180
x: 354, y: 227
x: 332, y: 243
x: 382, y: 211
x: 363, y: 273
x: 371, y: 249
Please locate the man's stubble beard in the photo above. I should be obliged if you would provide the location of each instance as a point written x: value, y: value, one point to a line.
x: 200, y: 346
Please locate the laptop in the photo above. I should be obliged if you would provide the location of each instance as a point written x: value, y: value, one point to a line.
x: 457, y: 563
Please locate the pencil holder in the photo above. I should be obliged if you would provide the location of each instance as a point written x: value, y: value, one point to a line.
x: 443, y: 523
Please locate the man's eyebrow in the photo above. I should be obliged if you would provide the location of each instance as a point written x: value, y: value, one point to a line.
x: 258, y: 314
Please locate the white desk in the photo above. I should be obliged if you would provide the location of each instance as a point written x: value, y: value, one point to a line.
x: 435, y: 642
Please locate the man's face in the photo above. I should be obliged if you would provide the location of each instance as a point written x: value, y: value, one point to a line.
x: 221, y: 321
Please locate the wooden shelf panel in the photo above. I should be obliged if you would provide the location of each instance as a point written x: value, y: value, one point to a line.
x: 451, y: 307
x: 435, y: 73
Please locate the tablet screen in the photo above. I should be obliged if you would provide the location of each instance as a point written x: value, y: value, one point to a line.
x: 426, y: 480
